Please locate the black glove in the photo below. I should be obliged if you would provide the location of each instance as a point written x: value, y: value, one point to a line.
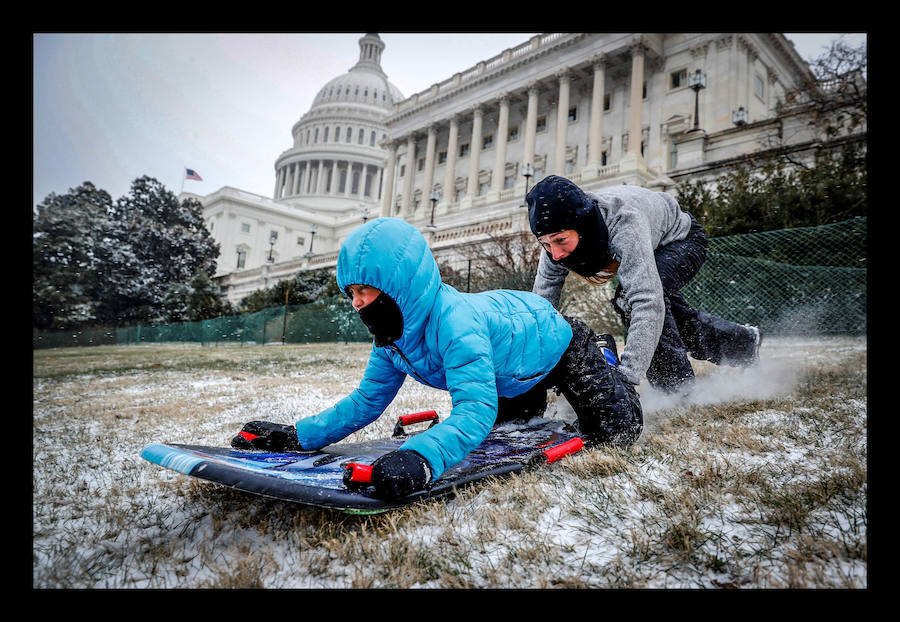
x: 399, y: 474
x: 268, y: 436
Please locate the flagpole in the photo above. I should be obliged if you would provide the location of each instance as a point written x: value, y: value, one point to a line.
x: 183, y: 173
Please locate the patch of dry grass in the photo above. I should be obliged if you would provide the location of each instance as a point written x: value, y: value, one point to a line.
x: 765, y: 492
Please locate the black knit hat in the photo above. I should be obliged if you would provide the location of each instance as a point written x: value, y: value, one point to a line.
x: 556, y: 204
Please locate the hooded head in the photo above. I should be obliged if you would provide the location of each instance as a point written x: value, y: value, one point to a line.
x: 392, y: 256
x: 556, y: 204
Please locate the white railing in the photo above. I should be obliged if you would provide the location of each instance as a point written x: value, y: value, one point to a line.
x: 505, y: 57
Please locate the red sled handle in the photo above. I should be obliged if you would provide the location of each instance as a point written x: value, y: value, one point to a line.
x: 419, y: 417
x: 357, y: 475
x: 553, y: 454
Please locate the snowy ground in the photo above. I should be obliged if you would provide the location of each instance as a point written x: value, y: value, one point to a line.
x: 758, y: 481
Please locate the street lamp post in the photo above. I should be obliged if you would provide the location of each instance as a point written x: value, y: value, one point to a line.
x: 696, y: 82
x: 312, y: 236
x: 434, y: 197
x: 273, y: 237
x: 528, y: 173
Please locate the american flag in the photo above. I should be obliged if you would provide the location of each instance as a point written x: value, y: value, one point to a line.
x: 190, y: 173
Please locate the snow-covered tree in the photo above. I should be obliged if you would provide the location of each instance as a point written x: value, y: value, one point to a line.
x: 99, y: 262
x: 67, y: 270
x: 168, y: 243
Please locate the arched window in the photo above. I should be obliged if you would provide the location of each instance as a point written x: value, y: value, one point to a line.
x: 349, y: 134
x: 361, y: 136
x: 337, y: 134
x: 372, y: 139
x: 325, y: 136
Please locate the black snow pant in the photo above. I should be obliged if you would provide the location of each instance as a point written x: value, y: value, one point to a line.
x: 608, y: 408
x: 685, y: 329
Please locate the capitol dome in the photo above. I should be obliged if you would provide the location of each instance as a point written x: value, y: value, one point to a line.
x: 336, y: 161
x: 365, y: 83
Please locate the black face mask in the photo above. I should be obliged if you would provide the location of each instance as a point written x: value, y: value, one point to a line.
x: 383, y: 319
x: 591, y: 255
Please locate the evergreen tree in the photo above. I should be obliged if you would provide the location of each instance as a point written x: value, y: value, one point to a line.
x: 67, y: 265
x: 99, y: 262
x: 169, y: 242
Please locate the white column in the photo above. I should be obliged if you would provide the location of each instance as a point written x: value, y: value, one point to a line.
x: 562, y: 122
x: 450, y: 166
x: 279, y: 179
x: 595, y: 148
x: 633, y: 155
x: 306, y: 177
x: 474, y: 157
x: 500, y: 150
x: 387, y: 193
x: 530, y: 137
x: 296, y: 186
x: 362, y: 181
x: 320, y: 178
x: 406, y: 205
x: 335, y: 178
x: 348, y: 183
x: 428, y: 179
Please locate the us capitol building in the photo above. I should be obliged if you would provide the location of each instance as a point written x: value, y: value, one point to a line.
x: 456, y: 160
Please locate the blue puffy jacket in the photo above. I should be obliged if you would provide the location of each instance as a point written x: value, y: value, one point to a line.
x: 477, y: 346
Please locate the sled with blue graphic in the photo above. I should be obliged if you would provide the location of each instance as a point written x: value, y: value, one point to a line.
x: 336, y: 476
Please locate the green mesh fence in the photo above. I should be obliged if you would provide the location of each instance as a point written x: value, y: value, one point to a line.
x: 807, y: 280
x: 331, y: 320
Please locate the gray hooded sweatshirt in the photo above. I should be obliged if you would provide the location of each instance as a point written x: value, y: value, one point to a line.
x: 639, y: 221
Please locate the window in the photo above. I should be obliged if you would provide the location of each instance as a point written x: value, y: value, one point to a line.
x: 483, y: 188
x: 245, y: 227
x: 607, y: 102
x: 325, y: 136
x: 603, y: 158
x: 301, y: 241
x: 760, y: 87
x: 542, y: 123
x: 337, y: 134
x: 509, y: 181
x: 673, y: 155
x: 442, y: 157
x: 420, y: 165
x: 402, y: 170
x: 677, y: 79
x: 488, y: 142
x: 362, y: 134
x: 307, y: 137
x: 464, y: 150
x: 513, y: 133
x: 241, y: 257
x: 372, y: 139
x: 316, y: 136
x: 573, y: 114
x: 349, y: 134
x: 644, y: 90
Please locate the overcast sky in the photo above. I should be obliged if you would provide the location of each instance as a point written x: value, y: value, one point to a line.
x: 109, y: 108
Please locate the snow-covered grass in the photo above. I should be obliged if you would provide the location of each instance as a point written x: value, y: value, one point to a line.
x: 760, y: 481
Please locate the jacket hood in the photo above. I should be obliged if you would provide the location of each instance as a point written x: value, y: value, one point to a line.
x: 392, y: 255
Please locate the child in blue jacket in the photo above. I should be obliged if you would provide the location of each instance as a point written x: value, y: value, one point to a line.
x: 497, y: 352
